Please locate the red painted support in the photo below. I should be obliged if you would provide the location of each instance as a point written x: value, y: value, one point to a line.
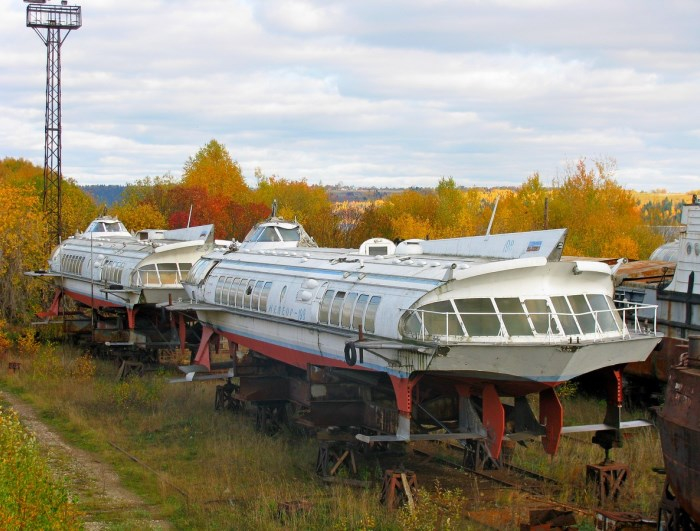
x: 131, y: 316
x: 403, y: 388
x: 55, y: 305
x: 203, y: 355
x: 552, y: 418
x: 494, y: 419
x: 613, y: 412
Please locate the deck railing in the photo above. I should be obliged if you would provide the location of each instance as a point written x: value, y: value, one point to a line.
x: 633, y: 318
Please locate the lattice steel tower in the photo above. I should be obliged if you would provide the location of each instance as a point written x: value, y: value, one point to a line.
x: 53, y: 19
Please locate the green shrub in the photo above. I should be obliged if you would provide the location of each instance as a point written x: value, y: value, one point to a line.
x: 30, y: 498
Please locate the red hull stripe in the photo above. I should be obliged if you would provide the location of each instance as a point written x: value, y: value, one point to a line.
x: 287, y: 355
x: 93, y: 302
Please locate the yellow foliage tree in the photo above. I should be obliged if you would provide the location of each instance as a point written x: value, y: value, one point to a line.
x: 308, y: 204
x: 212, y: 169
x: 604, y: 219
x: 140, y: 216
x: 523, y: 209
x: 405, y: 226
x: 77, y: 208
x: 23, y: 242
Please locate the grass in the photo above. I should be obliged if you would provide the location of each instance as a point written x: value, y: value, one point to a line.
x: 201, y: 469
x: 30, y: 496
x: 641, y: 451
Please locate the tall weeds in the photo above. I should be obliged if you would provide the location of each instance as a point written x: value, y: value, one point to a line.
x: 30, y: 496
x: 209, y: 469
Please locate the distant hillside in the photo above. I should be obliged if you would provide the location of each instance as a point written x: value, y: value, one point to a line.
x: 104, y: 193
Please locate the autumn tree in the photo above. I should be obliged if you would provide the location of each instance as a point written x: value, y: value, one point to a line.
x: 308, y: 204
x: 603, y: 218
x: 373, y: 222
x: 139, y: 216
x: 78, y: 209
x: 523, y: 209
x: 23, y: 243
x: 153, y: 191
x: 213, y: 170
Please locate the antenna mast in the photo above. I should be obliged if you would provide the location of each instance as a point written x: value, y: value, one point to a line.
x: 53, y: 19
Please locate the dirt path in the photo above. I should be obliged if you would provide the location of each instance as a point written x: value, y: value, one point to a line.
x: 101, y: 495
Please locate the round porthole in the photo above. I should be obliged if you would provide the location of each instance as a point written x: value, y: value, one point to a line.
x: 697, y: 249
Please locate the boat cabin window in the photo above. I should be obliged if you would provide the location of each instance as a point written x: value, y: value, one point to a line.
x: 514, y: 317
x: 248, y: 294
x: 168, y: 273
x: 264, y: 296
x: 478, y: 316
x: 219, y: 288
x: 267, y: 234
x: 106, y: 226
x: 240, y: 285
x: 542, y: 316
x: 561, y: 316
x: 72, y: 264
x: 335, y: 307
x: 371, y: 314
x: 184, y: 269
x: 159, y: 274
x: 271, y: 233
x: 200, y: 270
x: 226, y: 291
x: 608, y: 321
x: 289, y: 235
x: 257, y: 290
x: 566, y: 316
x: 359, y: 312
x: 112, y: 271
x: 325, y: 306
x: 347, y: 310
x: 583, y: 313
x: 440, y: 316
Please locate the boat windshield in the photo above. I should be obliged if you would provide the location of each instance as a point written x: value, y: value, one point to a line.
x: 514, y: 317
x: 271, y: 233
x: 106, y: 226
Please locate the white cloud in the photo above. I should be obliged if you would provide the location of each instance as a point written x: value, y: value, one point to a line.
x: 366, y: 92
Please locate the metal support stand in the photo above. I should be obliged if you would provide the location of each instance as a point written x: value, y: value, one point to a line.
x: 270, y: 417
x: 610, y: 478
x: 478, y: 457
x: 400, y: 486
x: 127, y: 368
x: 332, y: 455
x: 224, y: 398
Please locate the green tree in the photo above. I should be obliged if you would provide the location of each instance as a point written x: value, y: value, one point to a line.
x: 153, y: 191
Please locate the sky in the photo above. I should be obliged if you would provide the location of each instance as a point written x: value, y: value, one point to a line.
x: 366, y: 92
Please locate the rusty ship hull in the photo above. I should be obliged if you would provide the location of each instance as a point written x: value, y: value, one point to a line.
x: 679, y: 428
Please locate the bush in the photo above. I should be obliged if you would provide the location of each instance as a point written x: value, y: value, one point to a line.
x: 30, y: 498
